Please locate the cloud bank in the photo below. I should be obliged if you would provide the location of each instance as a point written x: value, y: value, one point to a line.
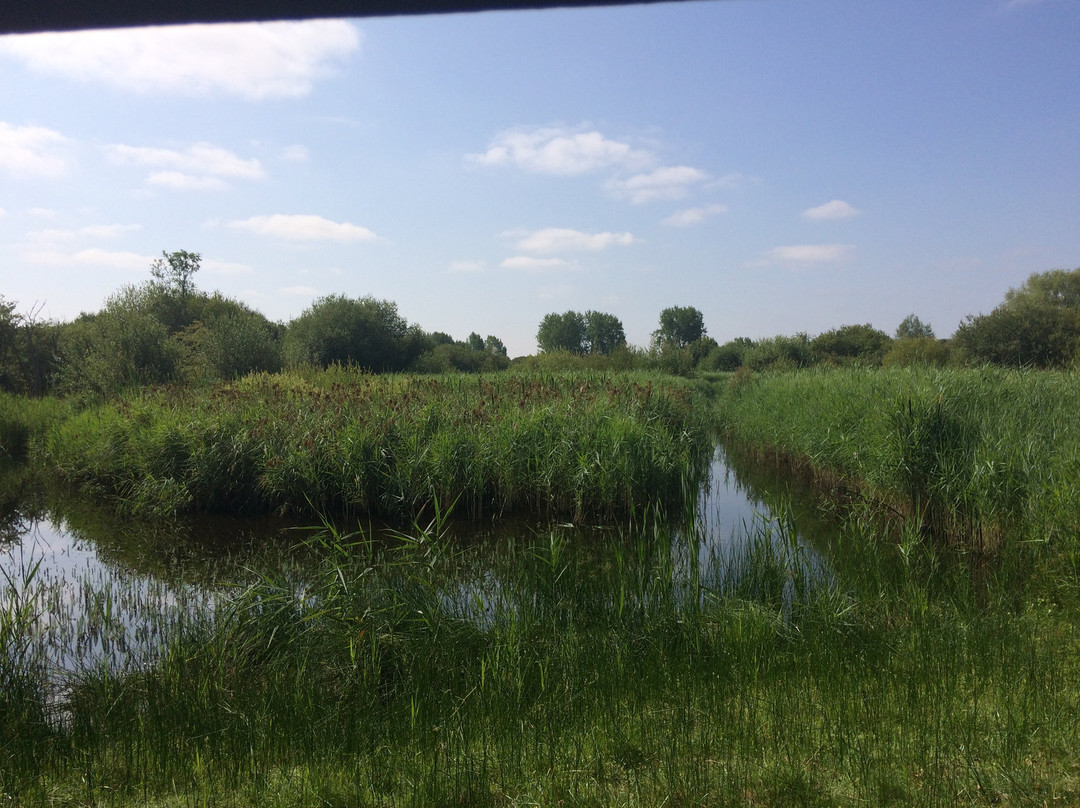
x: 249, y: 60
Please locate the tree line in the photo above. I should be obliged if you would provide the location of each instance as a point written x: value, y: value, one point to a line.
x: 167, y: 331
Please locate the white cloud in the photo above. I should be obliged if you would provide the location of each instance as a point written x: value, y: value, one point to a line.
x: 557, y: 240
x: 532, y: 264
x: 692, y: 216
x: 199, y: 167
x: 92, y: 231
x: 299, y: 291
x: 179, y: 181
x: 42, y: 213
x: 91, y: 257
x: 466, y: 266
x: 226, y: 267
x: 295, y: 154
x: 836, y: 209
x: 804, y: 254
x: 303, y: 228
x: 2, y: 213
x: 32, y: 151
x: 251, y: 60
x: 668, y: 182
x: 560, y: 151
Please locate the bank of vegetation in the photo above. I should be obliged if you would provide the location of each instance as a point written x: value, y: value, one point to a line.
x: 348, y: 443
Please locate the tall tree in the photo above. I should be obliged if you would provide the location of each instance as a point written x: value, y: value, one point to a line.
x: 562, y: 332
x: 679, y: 326
x: 911, y: 327
x: 603, y: 332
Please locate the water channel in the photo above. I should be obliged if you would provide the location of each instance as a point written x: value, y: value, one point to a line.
x: 89, y: 576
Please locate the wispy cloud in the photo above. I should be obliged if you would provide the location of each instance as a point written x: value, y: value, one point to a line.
x: 294, y: 154
x: 199, y: 167
x: 303, y: 228
x: 103, y: 231
x: 806, y: 255
x: 667, y: 182
x: 836, y: 209
x: 692, y: 216
x: 559, y: 151
x: 250, y: 60
x: 299, y: 291
x: 560, y: 240
x: 91, y: 257
x: 530, y: 263
x: 32, y: 151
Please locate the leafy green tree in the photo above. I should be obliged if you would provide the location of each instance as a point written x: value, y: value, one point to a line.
x: 562, y: 332
x: 780, y: 353
x: 493, y: 345
x: 729, y: 356
x: 475, y: 342
x: 911, y: 327
x: 603, y: 333
x: 9, y: 355
x: 230, y: 340
x: 342, y: 330
x: 1037, y: 325
x: 849, y: 344
x: 173, y: 271
x: 679, y: 326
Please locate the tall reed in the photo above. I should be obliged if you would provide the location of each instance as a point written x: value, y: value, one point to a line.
x: 342, y: 442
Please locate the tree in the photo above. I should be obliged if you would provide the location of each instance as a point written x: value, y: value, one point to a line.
x: 603, y: 333
x: 679, y: 326
x: 365, y: 332
x: 475, y: 342
x: 493, y: 345
x: 173, y: 271
x: 911, y: 327
x: 562, y: 332
x: 863, y: 344
x: 1037, y: 325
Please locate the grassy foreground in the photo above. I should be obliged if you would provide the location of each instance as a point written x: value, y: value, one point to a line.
x: 343, y: 442
x: 565, y: 675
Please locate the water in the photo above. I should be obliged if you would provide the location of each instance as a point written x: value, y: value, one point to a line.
x: 89, y: 576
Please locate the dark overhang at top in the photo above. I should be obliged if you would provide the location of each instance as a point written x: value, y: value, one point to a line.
x: 26, y: 16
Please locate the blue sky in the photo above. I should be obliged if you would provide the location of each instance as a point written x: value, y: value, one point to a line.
x: 783, y: 166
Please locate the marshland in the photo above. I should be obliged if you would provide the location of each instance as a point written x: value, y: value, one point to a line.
x: 843, y: 572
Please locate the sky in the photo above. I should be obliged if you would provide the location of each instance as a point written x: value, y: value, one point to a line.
x: 782, y: 166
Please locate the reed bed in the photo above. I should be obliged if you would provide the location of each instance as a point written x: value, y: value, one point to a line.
x: 24, y: 420
x: 970, y: 457
x: 572, y: 445
x: 561, y: 672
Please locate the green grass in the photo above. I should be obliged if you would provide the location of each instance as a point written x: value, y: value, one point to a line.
x: 580, y: 674
x: 572, y: 445
x: 24, y: 420
x: 971, y: 457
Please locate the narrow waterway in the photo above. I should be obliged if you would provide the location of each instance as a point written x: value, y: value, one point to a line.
x: 91, y: 579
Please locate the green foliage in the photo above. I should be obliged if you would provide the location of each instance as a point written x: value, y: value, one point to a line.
x: 780, y: 353
x: 603, y: 333
x: 343, y: 441
x: 917, y: 351
x: 593, y: 333
x: 679, y: 326
x: 727, y: 357
x: 852, y: 344
x: 1038, y: 325
x: 911, y: 327
x: 230, y: 341
x: 365, y: 332
x: 974, y: 457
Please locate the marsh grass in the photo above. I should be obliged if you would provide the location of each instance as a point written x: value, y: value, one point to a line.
x: 619, y: 669
x: 972, y: 458
x: 573, y: 445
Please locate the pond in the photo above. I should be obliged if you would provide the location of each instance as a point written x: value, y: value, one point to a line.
x: 107, y: 591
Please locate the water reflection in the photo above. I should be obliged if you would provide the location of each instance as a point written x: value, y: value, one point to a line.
x: 93, y: 576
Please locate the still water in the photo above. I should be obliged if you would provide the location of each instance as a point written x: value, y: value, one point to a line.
x: 88, y: 577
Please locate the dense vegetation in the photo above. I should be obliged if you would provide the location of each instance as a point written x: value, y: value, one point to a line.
x: 167, y: 331
x: 341, y: 441
x: 923, y: 664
